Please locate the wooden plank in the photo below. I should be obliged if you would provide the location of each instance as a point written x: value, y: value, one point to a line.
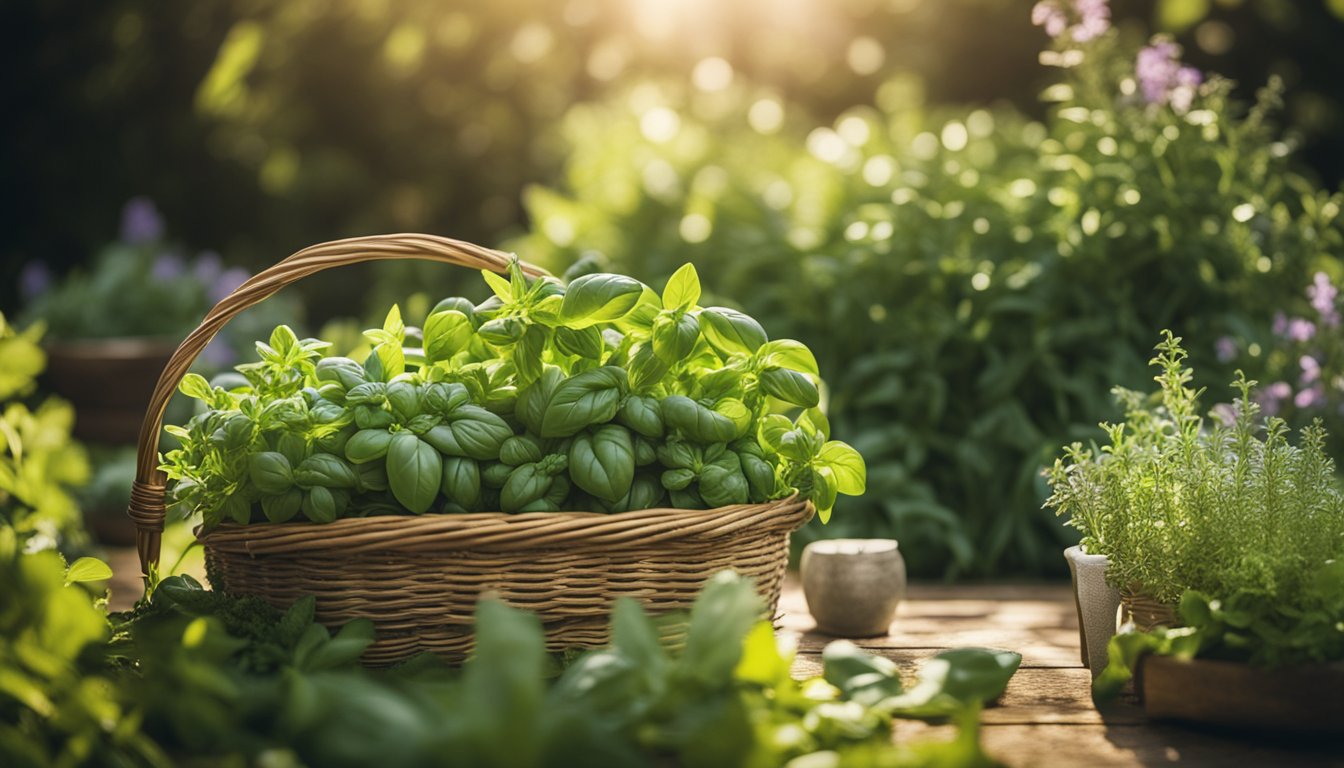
x: 1123, y: 745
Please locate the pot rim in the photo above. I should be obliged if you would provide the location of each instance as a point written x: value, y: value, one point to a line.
x: 1077, y: 555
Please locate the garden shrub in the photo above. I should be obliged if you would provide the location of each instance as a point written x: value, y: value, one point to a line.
x: 973, y: 282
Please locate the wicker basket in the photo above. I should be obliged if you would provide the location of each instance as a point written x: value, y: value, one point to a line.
x: 418, y: 577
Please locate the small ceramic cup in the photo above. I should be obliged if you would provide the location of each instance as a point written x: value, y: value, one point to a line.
x: 853, y: 586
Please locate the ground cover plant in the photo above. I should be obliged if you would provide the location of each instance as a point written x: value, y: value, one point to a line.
x: 600, y: 394
x: 973, y: 282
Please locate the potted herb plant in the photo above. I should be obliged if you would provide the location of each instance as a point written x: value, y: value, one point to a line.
x: 111, y: 328
x: 1227, y: 529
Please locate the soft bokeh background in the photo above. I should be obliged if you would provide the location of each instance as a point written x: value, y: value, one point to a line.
x: 974, y: 264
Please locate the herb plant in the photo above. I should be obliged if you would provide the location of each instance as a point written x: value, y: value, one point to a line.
x: 973, y: 281
x: 1224, y: 506
x: 600, y: 394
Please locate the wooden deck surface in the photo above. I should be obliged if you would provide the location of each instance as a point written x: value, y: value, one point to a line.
x: 1045, y: 718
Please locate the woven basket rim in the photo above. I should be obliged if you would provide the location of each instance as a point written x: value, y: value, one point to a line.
x: 503, y: 532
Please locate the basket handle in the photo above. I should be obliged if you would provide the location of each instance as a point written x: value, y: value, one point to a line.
x: 148, y: 508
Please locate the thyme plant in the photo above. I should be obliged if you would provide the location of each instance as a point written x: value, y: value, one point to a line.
x: 1224, y: 504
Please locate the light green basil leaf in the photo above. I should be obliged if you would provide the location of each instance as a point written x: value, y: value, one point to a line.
x: 582, y: 342
x: 787, y: 353
x: 87, y: 569
x: 683, y: 288
x: 195, y: 386
x: 790, y: 386
x: 591, y: 397
x: 846, y: 465
x: 446, y: 333
x: 731, y: 332
x: 674, y: 337
x: 599, y: 298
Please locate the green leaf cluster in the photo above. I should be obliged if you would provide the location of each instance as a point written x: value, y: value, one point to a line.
x: 40, y: 465
x: 973, y: 282
x: 598, y: 394
x: 233, y: 678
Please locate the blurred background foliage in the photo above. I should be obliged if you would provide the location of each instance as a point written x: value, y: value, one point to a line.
x: 974, y: 264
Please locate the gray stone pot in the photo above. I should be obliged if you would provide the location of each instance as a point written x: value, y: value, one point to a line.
x: 853, y: 586
x: 1098, y: 605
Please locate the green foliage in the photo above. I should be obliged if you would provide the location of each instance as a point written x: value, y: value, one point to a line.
x: 229, y: 677
x: 1270, y: 630
x: 40, y: 466
x: 1223, y: 506
x: 972, y: 282
x: 597, y: 395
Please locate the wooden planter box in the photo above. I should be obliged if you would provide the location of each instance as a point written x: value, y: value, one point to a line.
x: 1308, y: 700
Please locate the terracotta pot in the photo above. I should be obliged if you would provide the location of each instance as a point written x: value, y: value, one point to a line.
x: 1304, y: 700
x: 109, y: 382
x: 1098, y: 604
x: 853, y: 586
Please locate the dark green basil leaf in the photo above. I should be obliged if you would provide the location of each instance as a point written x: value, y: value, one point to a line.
x: 686, y: 498
x: 414, y: 471
x: 404, y: 399
x: 731, y: 332
x: 322, y: 505
x: 236, y: 433
x: 790, y: 386
x: 270, y: 472
x: 370, y: 393
x: 282, y: 507
x: 678, y: 455
x: 340, y: 370
x: 423, y: 423
x: 372, y: 476
x: 677, y: 479
x: 599, y: 298
x: 602, y: 462
x: 478, y: 432
x: 696, y: 421
x: 503, y: 331
x: 525, y: 485
x: 534, y: 398
x: 722, y: 482
x: 455, y: 304
x: 292, y: 446
x: 440, y: 398
x: 591, y: 397
x: 760, y: 476
x: 462, y: 482
x: 323, y: 469
x: 372, y: 417
x: 237, y: 508
x: 495, y: 475
x: 368, y: 445
x: 519, y: 450
x: 646, y: 368
x: 558, y: 491
x: 527, y: 354
x: 645, y: 453
x: 642, y: 414
x: 674, y: 336
x: 582, y: 342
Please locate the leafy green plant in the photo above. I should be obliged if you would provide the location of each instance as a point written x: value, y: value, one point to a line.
x: 600, y: 394
x: 233, y: 677
x: 1222, y: 506
x: 973, y: 282
x: 40, y: 465
x: 1270, y: 630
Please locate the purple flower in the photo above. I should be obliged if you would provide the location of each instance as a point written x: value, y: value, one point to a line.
x: 1273, y: 396
x: 34, y: 280
x: 1225, y: 413
x: 1322, y: 295
x: 1309, y: 397
x: 1280, y: 324
x: 1050, y: 15
x: 1094, y: 18
x: 227, y: 282
x: 1225, y: 348
x: 208, y: 267
x: 1300, y: 329
x: 167, y: 266
x: 1161, y: 77
x: 141, y: 222
x: 1311, y: 369
x: 218, y: 354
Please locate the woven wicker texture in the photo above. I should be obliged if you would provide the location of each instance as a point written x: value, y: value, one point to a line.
x: 418, y: 578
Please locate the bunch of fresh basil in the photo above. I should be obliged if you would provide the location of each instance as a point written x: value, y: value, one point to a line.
x: 598, y: 395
